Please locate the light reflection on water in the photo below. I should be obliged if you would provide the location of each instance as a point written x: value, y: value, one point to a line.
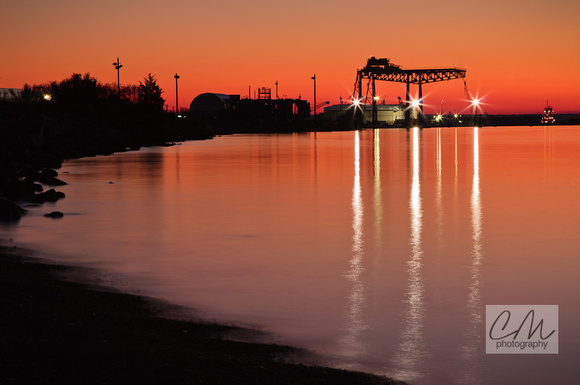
x: 469, y: 351
x: 411, y: 350
x: 353, y: 344
x: 369, y: 247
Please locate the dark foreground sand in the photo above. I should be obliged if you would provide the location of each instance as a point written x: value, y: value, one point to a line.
x: 56, y: 331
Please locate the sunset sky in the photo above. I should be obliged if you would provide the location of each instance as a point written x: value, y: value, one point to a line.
x: 518, y: 54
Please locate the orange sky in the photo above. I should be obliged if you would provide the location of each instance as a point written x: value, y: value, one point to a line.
x: 518, y: 53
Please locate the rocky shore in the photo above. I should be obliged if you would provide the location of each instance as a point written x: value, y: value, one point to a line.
x: 36, y: 137
x: 57, y: 331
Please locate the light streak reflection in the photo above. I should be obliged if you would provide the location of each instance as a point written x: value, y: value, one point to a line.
x: 439, y: 187
x: 547, y: 150
x: 353, y: 343
x: 473, y: 339
x: 476, y: 224
x: 377, y: 199
x: 411, y: 351
x: 456, y: 167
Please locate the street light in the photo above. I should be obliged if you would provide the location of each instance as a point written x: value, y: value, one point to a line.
x: 475, y: 104
x: 314, y: 78
x: 118, y: 67
x: 176, y: 76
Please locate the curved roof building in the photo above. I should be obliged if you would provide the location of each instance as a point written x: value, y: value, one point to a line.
x: 212, y: 102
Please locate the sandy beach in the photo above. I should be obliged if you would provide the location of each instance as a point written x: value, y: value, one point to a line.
x: 57, y: 330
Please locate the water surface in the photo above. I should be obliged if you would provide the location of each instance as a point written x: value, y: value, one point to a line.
x: 378, y: 249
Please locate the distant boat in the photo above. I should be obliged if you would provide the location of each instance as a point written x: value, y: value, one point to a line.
x: 548, y: 118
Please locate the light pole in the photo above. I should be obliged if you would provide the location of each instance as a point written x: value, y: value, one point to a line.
x: 176, y: 95
x: 118, y: 67
x: 475, y: 104
x: 314, y: 78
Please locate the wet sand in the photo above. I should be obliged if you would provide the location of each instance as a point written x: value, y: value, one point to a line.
x: 54, y: 330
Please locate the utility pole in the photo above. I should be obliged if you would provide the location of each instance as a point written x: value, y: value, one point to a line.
x: 314, y: 78
x: 475, y: 104
x: 276, y: 89
x: 176, y: 95
x: 374, y: 91
x: 118, y: 67
x: 421, y: 117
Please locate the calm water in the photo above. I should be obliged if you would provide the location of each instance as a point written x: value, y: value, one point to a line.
x: 378, y: 249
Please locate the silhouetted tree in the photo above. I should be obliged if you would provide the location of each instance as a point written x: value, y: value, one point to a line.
x: 87, y: 90
x: 130, y: 93
x: 31, y: 93
x: 36, y: 92
x: 149, y: 93
x: 76, y: 89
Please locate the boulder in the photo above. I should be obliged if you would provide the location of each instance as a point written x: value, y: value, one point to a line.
x: 48, y: 176
x: 47, y: 196
x: 54, y: 214
x: 48, y: 172
x: 51, y: 181
x: 10, y: 211
x: 15, y: 189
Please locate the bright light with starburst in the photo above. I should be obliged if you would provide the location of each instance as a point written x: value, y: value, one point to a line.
x: 356, y: 102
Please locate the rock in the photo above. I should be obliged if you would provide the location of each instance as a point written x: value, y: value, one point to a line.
x: 51, y: 181
x: 10, y: 211
x: 47, y: 196
x: 49, y: 172
x: 48, y: 176
x: 54, y: 214
x: 16, y: 189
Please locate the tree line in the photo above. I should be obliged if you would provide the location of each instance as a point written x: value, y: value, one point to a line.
x: 84, y: 89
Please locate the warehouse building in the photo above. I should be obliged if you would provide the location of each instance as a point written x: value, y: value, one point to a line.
x: 10, y: 93
x: 387, y: 114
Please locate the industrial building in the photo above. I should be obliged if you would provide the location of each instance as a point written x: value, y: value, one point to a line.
x: 10, y: 93
x: 212, y: 103
x: 264, y: 111
x: 387, y: 114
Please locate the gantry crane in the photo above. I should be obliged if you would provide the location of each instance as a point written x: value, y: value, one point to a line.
x: 383, y: 69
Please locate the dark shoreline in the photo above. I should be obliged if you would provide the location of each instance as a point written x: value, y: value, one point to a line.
x: 54, y: 330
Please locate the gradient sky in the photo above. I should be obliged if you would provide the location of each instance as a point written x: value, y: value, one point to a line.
x: 518, y: 53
